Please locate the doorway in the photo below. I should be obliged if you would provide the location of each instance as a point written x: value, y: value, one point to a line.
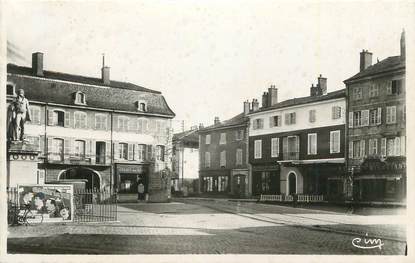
x: 292, y: 184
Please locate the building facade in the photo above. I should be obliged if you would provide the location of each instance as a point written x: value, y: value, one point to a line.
x: 223, y: 166
x: 377, y: 128
x: 185, y: 158
x: 110, y: 134
x: 297, y: 146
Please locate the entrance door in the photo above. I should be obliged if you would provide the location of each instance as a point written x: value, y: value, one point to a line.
x: 100, y: 152
x: 239, y: 185
x: 292, y: 183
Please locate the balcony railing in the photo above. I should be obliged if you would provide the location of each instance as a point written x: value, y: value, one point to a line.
x: 291, y: 155
x: 54, y: 157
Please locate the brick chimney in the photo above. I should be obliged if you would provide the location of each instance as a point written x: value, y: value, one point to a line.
x: 247, y: 107
x: 314, y: 90
x: 272, y: 95
x: 403, y: 48
x: 322, y: 85
x: 365, y: 59
x: 105, y: 72
x: 216, y: 121
x: 255, y: 105
x: 37, y: 63
x: 265, y: 100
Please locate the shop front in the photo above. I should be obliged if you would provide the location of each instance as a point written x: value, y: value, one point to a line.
x: 130, y: 179
x: 215, y: 182
x: 265, y: 179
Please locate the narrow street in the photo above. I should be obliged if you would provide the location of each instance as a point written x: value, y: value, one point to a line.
x: 197, y: 226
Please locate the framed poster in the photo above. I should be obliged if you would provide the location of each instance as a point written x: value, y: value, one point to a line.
x: 52, y: 203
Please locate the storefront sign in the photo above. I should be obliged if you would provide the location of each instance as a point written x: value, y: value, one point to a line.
x: 137, y: 169
x: 53, y: 202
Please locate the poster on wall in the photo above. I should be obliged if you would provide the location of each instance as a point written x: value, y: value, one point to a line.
x: 48, y: 203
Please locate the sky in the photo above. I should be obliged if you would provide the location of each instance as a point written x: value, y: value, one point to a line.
x: 207, y: 57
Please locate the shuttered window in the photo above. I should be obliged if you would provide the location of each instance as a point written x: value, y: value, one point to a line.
x: 336, y: 112
x: 275, y: 121
x: 312, y: 115
x: 140, y: 152
x: 123, y: 151
x: 123, y: 124
x: 222, y: 138
x: 207, y: 159
x: 373, y: 146
x: 100, y: 121
x: 258, y: 149
x: 79, y: 148
x: 334, y: 141
x: 34, y: 114
x: 142, y: 125
x: 275, y: 147
x: 390, y: 114
x: 223, y: 159
x: 312, y: 143
x: 207, y: 139
x: 80, y: 120
x: 258, y: 124
x: 160, y: 153
x: 238, y: 156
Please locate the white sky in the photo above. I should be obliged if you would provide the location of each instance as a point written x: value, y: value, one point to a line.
x: 207, y: 57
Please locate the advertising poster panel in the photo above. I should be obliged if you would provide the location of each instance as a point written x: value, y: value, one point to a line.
x: 48, y: 203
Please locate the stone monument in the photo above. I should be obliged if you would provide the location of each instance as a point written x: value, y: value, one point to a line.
x: 22, y: 156
x: 159, y: 185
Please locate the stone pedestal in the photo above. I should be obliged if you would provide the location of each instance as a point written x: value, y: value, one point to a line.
x: 159, y: 185
x: 22, y: 163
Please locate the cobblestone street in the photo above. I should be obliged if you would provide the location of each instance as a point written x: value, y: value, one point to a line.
x: 193, y: 226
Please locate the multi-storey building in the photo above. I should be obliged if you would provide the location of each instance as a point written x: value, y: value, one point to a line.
x: 185, y: 157
x: 376, y: 128
x: 223, y: 157
x: 108, y: 133
x: 297, y: 145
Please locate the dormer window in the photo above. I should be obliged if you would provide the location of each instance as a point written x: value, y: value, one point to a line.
x: 80, y: 98
x: 141, y: 105
x: 10, y: 89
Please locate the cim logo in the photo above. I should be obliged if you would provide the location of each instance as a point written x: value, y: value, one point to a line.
x: 367, y: 243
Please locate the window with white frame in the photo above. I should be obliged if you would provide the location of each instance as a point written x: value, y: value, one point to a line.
x: 238, y: 156
x: 258, y: 149
x: 275, y: 147
x: 290, y: 118
x: 336, y: 112
x: 160, y: 153
x: 394, y: 87
x: 374, y: 90
x: 58, y: 118
x: 239, y: 135
x: 79, y: 148
x: 373, y: 146
x: 34, y: 114
x: 390, y: 114
x: 223, y: 159
x: 357, y: 118
x: 80, y: 98
x: 100, y: 121
x: 80, y: 120
x: 312, y: 115
x: 258, y: 124
x: 123, y: 123
x: 222, y: 139
x: 141, y: 105
x: 142, y: 125
x: 123, y: 151
x: 140, y: 152
x: 57, y: 149
x: 335, y: 141
x: 312, y: 144
x: 207, y: 139
x: 207, y: 159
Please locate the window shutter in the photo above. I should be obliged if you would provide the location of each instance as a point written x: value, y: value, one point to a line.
x: 116, y: 151
x: 331, y: 142
x: 403, y: 148
x: 87, y: 148
x: 130, y: 151
x: 67, y: 146
x: 107, y: 152
x: 351, y: 119
x: 297, y: 144
x: 397, y: 146
x: 93, y: 151
x: 42, y: 144
x: 285, y: 145
x: 67, y: 119
x: 350, y: 149
x: 383, y: 147
x: 393, y: 114
x: 333, y: 112
x: 50, y: 148
x: 149, y: 149
x: 379, y: 116
x: 140, y: 126
x: 50, y: 117
x: 365, y: 114
x: 375, y: 146
x: 362, y: 148
x: 293, y: 120
x: 287, y: 118
x: 271, y: 122
x: 136, y: 154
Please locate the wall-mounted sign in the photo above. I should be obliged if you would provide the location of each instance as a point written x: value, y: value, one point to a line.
x: 54, y: 203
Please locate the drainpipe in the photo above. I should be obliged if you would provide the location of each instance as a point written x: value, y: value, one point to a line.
x: 111, y: 152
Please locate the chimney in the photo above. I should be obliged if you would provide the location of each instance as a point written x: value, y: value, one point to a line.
x: 105, y: 72
x: 200, y: 126
x: 247, y: 107
x: 255, y: 105
x: 322, y: 85
x: 403, y: 53
x: 272, y: 95
x: 216, y: 121
x: 265, y: 100
x: 37, y: 63
x: 365, y: 59
x: 314, y: 90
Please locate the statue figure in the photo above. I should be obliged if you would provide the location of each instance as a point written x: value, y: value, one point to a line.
x: 17, y: 114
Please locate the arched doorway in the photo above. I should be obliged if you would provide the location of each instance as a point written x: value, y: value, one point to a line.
x: 79, y: 173
x: 292, y: 183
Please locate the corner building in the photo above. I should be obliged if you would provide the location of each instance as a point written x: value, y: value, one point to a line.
x: 297, y: 145
x: 104, y: 132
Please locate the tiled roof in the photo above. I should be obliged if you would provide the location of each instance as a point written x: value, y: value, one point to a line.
x: 120, y: 96
x: 388, y: 64
x: 304, y: 100
x: 187, y: 136
x: 236, y: 120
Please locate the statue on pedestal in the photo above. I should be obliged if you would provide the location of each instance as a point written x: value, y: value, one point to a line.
x: 17, y: 114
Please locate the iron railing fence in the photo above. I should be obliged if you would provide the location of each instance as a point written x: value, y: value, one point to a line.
x: 95, y: 206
